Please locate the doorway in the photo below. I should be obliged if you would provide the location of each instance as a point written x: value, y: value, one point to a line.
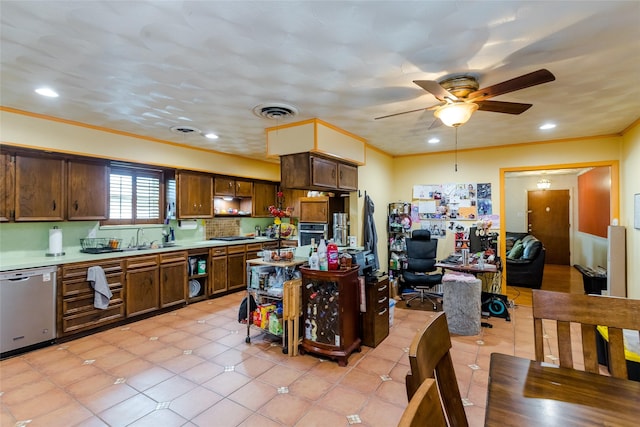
x: 548, y: 220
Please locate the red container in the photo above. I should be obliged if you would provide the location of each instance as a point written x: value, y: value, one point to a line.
x: 332, y: 256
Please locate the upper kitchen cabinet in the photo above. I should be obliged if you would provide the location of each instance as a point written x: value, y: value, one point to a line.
x: 233, y: 187
x: 310, y: 171
x: 7, y: 172
x: 39, y: 188
x: 88, y: 190
x: 264, y: 195
x: 195, y: 195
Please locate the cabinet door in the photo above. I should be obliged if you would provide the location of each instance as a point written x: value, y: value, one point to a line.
x: 347, y: 177
x: 264, y: 195
x: 6, y: 186
x: 243, y: 188
x: 314, y: 210
x: 195, y: 195
x: 39, y: 189
x: 236, y: 267
x: 142, y: 291
x: 88, y: 191
x: 218, y: 274
x: 224, y: 187
x: 324, y: 172
x: 173, y: 283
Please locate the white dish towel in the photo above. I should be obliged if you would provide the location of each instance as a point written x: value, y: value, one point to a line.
x: 98, y: 280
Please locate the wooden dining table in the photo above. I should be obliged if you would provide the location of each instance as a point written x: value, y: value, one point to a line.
x: 523, y: 392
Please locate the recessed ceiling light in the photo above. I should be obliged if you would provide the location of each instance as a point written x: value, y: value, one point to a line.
x: 45, y: 91
x: 433, y: 141
x: 211, y: 135
x: 547, y: 126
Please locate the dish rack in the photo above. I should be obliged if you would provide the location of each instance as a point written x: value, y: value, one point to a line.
x: 99, y: 245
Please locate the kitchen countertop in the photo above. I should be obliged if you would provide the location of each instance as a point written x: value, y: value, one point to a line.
x: 19, y: 260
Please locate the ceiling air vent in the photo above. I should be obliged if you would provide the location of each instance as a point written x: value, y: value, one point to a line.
x: 185, y: 130
x: 275, y: 111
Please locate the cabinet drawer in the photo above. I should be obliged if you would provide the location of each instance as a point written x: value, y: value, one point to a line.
x: 252, y: 247
x: 71, y: 271
x: 81, y: 286
x: 173, y: 257
x: 220, y: 251
x: 237, y: 249
x: 92, y: 319
x: 84, y: 302
x: 142, y: 261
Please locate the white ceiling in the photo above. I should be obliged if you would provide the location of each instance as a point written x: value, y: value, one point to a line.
x: 143, y: 67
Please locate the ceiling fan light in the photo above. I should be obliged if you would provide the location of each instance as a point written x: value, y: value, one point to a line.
x: 456, y: 114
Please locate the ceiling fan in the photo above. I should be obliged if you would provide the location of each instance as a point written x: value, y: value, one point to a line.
x: 459, y: 96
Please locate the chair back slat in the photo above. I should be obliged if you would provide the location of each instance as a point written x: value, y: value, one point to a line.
x: 425, y: 408
x: 430, y: 357
x: 590, y: 311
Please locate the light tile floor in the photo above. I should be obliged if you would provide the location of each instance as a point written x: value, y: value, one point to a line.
x: 192, y: 367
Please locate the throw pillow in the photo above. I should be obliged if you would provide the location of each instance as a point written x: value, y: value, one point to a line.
x: 516, y: 251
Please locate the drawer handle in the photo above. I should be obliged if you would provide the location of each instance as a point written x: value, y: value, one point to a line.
x: 382, y: 288
x: 381, y: 300
x: 384, y: 310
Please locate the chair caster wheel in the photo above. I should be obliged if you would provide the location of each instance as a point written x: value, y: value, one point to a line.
x: 247, y: 340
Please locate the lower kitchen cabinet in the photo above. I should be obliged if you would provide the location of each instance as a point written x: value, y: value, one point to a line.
x: 76, y: 311
x: 236, y: 267
x: 218, y: 270
x: 142, y: 285
x: 173, y: 278
x: 198, y: 274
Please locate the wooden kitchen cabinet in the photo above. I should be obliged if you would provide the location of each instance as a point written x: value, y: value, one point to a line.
x: 236, y: 267
x: 87, y: 190
x: 7, y: 175
x: 39, y: 188
x: 233, y: 187
x: 314, y: 209
x: 173, y: 278
x: 195, y: 195
x: 310, y: 171
x: 264, y: 195
x: 218, y: 270
x: 142, y: 285
x: 76, y: 310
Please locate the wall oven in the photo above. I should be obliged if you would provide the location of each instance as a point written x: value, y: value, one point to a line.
x: 308, y: 231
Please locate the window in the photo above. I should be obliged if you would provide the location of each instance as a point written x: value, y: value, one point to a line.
x: 135, y: 196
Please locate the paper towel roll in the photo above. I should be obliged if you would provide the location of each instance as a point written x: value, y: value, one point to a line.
x: 55, y: 241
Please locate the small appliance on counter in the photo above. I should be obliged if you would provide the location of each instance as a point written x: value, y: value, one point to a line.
x: 341, y: 229
x: 365, y: 260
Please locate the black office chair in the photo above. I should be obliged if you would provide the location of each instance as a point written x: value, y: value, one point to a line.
x: 419, y: 274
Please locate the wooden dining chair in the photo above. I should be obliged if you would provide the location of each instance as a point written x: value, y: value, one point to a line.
x: 589, y: 311
x: 429, y: 357
x: 425, y: 408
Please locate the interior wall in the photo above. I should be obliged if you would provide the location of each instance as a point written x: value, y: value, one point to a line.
x: 630, y: 185
x: 34, y: 132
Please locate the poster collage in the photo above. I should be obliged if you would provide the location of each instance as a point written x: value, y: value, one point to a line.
x: 453, y: 207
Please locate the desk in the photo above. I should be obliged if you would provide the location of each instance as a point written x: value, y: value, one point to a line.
x: 527, y: 393
x: 471, y: 268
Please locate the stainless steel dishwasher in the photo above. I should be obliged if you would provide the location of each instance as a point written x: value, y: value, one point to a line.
x: 27, y: 308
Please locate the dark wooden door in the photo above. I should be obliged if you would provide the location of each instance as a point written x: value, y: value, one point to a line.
x: 173, y: 283
x: 548, y: 220
x: 88, y: 191
x: 39, y: 189
x: 142, y: 291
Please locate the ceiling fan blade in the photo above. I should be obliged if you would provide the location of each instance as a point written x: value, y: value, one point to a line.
x: 435, y: 89
x: 503, y: 107
x: 406, y: 112
x: 435, y: 123
x: 517, y: 83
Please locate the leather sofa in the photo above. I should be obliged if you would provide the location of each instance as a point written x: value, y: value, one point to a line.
x: 525, y: 260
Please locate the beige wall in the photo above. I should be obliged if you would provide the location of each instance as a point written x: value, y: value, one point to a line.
x: 630, y: 185
x: 384, y: 178
x: 32, y: 132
